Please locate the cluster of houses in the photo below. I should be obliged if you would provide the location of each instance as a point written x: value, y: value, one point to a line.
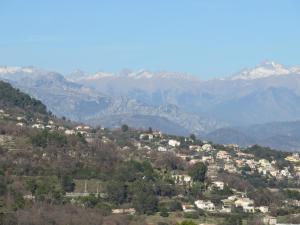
x: 238, y: 200
x: 3, y: 114
x: 80, y: 129
x: 229, y: 158
x: 246, y: 204
x: 235, y: 161
x: 50, y: 125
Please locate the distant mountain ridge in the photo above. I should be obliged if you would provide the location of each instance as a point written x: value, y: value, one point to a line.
x: 269, y: 92
x: 82, y: 103
x: 277, y: 135
x: 237, y: 100
x: 264, y: 70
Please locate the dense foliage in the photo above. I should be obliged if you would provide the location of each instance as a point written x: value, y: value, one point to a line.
x: 10, y: 96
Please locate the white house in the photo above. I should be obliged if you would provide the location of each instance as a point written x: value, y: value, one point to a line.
x: 82, y: 132
x: 81, y: 127
x: 182, y: 179
x: 223, y: 155
x: 161, y: 149
x: 285, y: 172
x: 61, y: 128
x: 265, y: 163
x: 146, y: 136
x: 29, y: 197
x: 157, y: 134
x: 19, y: 118
x: 263, y: 209
x: 188, y: 208
x: 209, y: 159
x: 20, y: 124
x: 174, y: 143
x: 69, y: 132
x: 230, y: 168
x: 246, y: 204
x: 207, y: 147
x: 218, y: 184
x: 205, y: 205
x: 294, y: 158
x: 195, y: 148
x: 129, y: 211
x: 226, y: 206
x: 269, y: 220
x: 49, y: 126
x: 38, y: 126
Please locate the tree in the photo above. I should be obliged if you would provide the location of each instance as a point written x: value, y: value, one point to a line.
x: 3, y: 187
x: 233, y: 220
x: 187, y: 222
x: 117, y: 192
x: 164, y: 212
x: 198, y: 171
x: 45, y: 138
x: 124, y: 128
x: 197, y: 189
x: 193, y: 137
x: 175, y: 206
x: 144, y: 198
x: 46, y: 188
x: 68, y: 183
x: 18, y: 200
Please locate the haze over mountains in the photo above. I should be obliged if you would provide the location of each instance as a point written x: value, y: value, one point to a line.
x: 176, y: 103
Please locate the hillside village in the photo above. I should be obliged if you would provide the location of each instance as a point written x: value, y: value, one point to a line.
x: 217, y: 194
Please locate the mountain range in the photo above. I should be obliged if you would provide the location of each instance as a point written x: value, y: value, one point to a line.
x: 172, y: 102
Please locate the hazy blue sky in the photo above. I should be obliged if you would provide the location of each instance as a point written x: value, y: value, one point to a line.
x: 207, y: 38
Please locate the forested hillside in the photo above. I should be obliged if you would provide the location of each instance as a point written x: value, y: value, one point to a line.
x: 11, y: 97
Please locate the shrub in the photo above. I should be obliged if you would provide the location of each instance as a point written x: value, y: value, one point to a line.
x: 187, y: 222
x: 164, y: 212
x: 191, y: 215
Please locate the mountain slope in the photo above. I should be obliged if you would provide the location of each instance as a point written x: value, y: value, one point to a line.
x: 86, y: 104
x: 238, y: 100
x: 13, y: 98
x: 264, y: 70
x: 266, y: 93
x: 277, y: 135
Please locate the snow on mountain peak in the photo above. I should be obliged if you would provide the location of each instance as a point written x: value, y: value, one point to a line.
x: 145, y: 74
x: 139, y: 74
x: 266, y: 69
x: 16, y: 69
x: 99, y: 75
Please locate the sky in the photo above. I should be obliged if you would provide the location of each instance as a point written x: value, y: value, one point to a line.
x: 208, y: 38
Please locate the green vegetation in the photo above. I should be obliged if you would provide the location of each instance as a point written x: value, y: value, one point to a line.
x: 198, y: 171
x: 101, y: 176
x: 187, y: 222
x: 49, y: 138
x: 11, y: 97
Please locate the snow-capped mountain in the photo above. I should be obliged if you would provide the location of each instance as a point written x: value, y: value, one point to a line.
x: 12, y: 70
x: 241, y: 99
x: 264, y: 70
x: 126, y: 73
x: 71, y: 98
x: 266, y: 93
